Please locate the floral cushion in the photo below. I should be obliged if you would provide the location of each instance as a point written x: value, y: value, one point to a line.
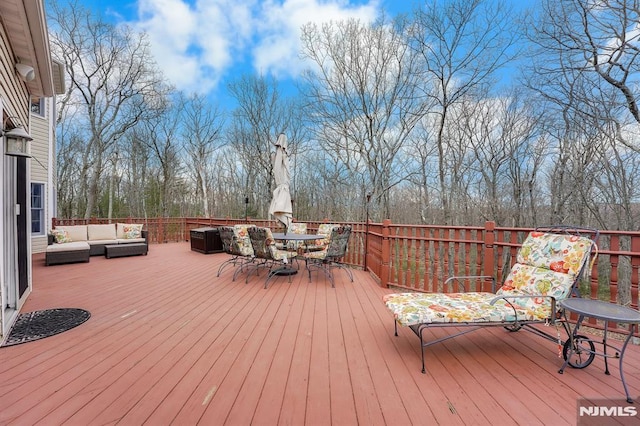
x: 473, y: 307
x: 264, y: 245
x: 336, y: 246
x: 131, y: 231
x: 558, y: 252
x: 547, y: 266
x: 324, y: 232
x: 243, y: 240
x: 295, y: 228
x: 276, y: 253
x: 61, y: 236
x: 531, y: 280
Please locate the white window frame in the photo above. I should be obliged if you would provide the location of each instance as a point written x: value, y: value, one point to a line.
x: 40, y: 210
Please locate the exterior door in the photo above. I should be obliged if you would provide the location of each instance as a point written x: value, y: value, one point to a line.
x: 22, y: 213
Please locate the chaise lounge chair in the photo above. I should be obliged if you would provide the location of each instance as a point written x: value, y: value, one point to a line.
x: 548, y: 268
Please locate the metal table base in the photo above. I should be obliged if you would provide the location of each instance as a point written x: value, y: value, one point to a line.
x: 606, y: 312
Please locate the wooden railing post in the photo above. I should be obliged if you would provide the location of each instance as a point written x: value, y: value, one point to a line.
x: 161, y: 230
x: 386, y: 254
x: 488, y: 256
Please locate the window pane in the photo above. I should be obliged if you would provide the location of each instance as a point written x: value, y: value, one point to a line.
x: 37, y: 210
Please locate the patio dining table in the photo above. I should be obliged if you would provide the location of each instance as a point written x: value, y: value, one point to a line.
x: 281, y: 236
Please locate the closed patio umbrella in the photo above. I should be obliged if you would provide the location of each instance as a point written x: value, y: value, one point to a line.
x: 281, y: 207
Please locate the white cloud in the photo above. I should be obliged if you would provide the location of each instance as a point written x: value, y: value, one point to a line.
x: 197, y: 42
x: 278, y: 46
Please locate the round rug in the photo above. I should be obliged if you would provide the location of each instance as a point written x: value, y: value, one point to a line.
x: 37, y: 325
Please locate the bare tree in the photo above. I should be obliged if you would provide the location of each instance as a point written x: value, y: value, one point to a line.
x: 113, y: 80
x: 463, y: 43
x: 160, y: 134
x: 361, y: 97
x: 599, y: 38
x: 502, y: 134
x: 202, y: 134
x: 261, y: 115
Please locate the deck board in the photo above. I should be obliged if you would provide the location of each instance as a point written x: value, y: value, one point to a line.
x: 168, y: 342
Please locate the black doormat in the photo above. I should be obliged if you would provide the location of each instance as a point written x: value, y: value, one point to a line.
x: 37, y: 325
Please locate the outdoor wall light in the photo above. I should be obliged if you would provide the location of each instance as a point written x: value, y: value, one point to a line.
x: 27, y: 73
x: 17, y: 142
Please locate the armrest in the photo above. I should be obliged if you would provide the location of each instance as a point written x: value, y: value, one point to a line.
x: 458, y: 278
x: 50, y: 239
x: 145, y: 235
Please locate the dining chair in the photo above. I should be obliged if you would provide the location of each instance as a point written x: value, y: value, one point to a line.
x: 329, y: 258
x: 235, y: 242
x: 268, y: 255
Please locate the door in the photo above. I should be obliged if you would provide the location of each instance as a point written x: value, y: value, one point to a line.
x: 22, y: 213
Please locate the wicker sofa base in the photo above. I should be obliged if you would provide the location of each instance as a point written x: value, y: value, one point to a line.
x: 121, y: 250
x: 61, y: 257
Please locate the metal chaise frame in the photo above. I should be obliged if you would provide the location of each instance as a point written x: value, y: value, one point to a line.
x: 516, y: 325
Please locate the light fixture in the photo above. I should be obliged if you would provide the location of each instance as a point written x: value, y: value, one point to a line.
x: 27, y: 73
x: 17, y: 142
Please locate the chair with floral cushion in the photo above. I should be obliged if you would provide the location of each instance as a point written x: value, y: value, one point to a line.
x: 235, y: 242
x: 293, y: 228
x: 268, y: 255
x: 230, y: 246
x: 324, y: 232
x: 548, y: 269
x: 328, y: 258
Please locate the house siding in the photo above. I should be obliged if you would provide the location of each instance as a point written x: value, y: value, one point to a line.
x: 15, y: 96
x: 24, y: 37
x: 39, y: 168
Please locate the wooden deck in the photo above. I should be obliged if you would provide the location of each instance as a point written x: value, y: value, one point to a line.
x: 169, y: 343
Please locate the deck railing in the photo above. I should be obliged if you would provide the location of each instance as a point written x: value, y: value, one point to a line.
x: 421, y: 257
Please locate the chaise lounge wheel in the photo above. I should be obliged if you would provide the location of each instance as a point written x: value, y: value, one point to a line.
x: 584, y: 351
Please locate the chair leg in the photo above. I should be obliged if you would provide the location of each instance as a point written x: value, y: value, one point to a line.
x: 255, y: 266
x: 325, y: 267
x: 227, y: 262
x: 244, y: 263
x: 344, y: 268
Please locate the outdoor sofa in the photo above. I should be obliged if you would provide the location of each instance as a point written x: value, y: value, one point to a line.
x: 76, y: 243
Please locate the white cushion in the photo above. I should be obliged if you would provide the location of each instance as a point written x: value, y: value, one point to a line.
x: 72, y: 246
x: 130, y: 240
x: 101, y: 232
x: 119, y: 230
x: 75, y: 232
x: 102, y: 242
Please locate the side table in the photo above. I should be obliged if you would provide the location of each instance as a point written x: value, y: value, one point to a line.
x: 603, y: 311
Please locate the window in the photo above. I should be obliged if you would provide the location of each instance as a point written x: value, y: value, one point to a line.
x: 37, y: 106
x: 37, y: 209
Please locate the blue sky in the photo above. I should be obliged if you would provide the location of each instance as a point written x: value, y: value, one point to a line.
x: 201, y: 45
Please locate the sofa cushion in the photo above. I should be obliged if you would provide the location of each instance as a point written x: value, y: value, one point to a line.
x: 128, y: 230
x: 60, y: 236
x: 72, y: 246
x: 130, y: 240
x: 102, y: 242
x: 75, y: 232
x: 101, y: 232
